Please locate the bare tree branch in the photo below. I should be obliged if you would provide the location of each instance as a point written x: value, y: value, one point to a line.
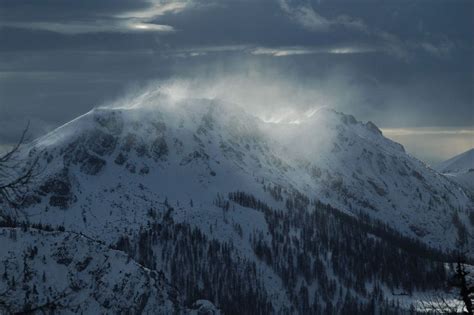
x: 16, y: 173
x: 7, y: 156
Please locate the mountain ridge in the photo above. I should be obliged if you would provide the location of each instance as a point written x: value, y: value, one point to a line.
x: 463, y: 162
x: 460, y: 169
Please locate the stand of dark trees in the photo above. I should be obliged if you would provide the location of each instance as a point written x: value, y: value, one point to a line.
x: 312, y: 240
x: 330, y: 262
x: 201, y: 268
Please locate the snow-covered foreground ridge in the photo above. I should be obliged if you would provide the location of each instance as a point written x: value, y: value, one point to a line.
x: 226, y: 205
x: 50, y: 268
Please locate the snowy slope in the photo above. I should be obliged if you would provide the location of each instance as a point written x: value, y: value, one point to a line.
x: 460, y: 169
x: 157, y: 172
x: 45, y: 271
x: 461, y: 163
x: 354, y: 168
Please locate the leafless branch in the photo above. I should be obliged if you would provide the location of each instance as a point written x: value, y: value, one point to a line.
x: 16, y: 173
x: 7, y: 156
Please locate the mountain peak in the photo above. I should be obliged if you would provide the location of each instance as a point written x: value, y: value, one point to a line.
x: 460, y: 169
x: 371, y: 126
x: 463, y: 162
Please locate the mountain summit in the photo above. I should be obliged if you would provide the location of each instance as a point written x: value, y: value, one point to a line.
x: 460, y: 169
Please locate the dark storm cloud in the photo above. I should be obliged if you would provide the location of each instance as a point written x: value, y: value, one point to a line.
x: 33, y: 10
x: 398, y: 63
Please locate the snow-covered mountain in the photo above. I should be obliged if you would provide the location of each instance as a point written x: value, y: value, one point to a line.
x: 460, y: 169
x: 460, y: 163
x: 288, y: 217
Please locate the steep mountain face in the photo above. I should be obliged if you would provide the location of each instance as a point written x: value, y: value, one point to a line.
x: 354, y: 168
x: 460, y: 169
x: 291, y: 217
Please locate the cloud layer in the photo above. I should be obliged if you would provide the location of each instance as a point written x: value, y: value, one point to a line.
x: 399, y: 64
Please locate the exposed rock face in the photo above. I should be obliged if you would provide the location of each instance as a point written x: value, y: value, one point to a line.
x: 92, y: 165
x: 372, y: 127
x: 101, y: 143
x: 159, y: 148
x: 59, y: 189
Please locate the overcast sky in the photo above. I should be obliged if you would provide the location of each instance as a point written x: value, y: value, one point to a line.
x: 406, y: 65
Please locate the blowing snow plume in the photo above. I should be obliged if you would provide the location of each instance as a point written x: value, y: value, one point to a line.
x: 270, y: 96
x: 282, y: 111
